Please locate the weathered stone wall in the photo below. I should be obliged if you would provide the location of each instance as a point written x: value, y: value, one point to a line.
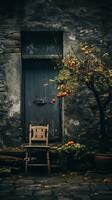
x: 10, y: 68
x: 80, y: 21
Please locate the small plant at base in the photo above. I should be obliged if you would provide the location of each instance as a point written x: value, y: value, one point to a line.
x: 79, y: 151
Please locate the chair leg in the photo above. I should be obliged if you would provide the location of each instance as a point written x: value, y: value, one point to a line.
x: 26, y: 167
x: 48, y: 162
x: 26, y: 162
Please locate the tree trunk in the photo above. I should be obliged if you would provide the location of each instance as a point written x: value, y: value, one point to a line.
x: 103, y: 135
x: 102, y: 111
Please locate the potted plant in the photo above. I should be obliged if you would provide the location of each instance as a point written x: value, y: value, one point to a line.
x: 72, y: 154
x: 91, y: 69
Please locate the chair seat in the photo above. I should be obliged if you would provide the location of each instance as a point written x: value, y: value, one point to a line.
x: 37, y: 164
x: 37, y: 146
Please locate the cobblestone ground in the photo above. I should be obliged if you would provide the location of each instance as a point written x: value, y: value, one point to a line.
x: 70, y: 186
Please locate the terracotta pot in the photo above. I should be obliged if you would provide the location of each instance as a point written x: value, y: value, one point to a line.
x: 103, y: 161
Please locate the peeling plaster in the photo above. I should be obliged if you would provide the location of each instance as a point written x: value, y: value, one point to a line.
x: 13, y: 79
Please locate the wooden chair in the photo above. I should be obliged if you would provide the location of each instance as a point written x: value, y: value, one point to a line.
x: 38, y: 140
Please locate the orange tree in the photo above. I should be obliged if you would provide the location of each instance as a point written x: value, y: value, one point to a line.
x: 90, y: 68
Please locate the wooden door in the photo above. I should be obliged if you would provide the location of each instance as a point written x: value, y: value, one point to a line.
x: 40, y: 103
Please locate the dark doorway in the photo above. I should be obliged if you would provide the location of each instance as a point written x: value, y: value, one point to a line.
x: 40, y: 102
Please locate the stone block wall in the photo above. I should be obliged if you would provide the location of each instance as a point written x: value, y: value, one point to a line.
x: 10, y: 87
x: 80, y: 21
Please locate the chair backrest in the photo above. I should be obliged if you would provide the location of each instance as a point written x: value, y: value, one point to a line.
x: 38, y: 134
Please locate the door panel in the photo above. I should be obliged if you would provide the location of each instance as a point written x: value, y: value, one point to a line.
x: 40, y: 103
